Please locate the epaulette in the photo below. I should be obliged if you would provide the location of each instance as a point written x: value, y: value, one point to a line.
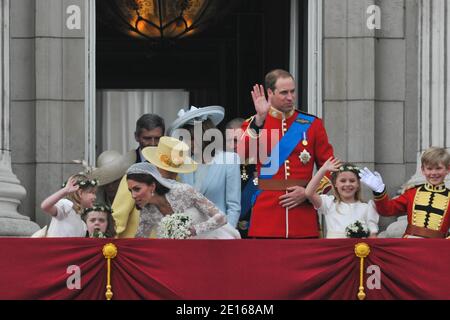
x: 308, y: 114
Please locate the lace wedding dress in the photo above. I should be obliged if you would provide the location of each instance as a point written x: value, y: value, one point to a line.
x: 209, y: 222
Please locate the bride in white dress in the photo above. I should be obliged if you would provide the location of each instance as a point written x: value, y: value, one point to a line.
x: 158, y: 197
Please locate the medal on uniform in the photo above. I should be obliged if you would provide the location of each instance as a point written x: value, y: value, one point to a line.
x: 255, y: 181
x: 304, y: 156
x: 244, y: 175
x: 304, y: 141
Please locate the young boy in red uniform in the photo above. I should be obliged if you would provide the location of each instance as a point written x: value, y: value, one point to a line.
x: 427, y: 205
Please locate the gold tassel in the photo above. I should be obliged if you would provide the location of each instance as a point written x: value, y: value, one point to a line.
x: 362, y: 250
x: 109, y: 252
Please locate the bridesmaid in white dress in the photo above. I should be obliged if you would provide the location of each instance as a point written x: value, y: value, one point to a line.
x: 345, y: 207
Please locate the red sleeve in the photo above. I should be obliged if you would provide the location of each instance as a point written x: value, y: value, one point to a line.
x: 393, y: 207
x: 248, y: 144
x: 323, y: 150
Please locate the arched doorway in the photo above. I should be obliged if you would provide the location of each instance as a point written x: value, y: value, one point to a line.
x: 218, y: 66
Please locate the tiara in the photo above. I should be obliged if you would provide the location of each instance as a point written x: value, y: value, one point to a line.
x: 98, y: 207
x: 84, y: 183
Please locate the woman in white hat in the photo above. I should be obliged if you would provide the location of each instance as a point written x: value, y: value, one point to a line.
x: 157, y: 197
x: 218, y: 175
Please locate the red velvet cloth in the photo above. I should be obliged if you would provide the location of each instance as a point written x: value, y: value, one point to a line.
x: 224, y: 269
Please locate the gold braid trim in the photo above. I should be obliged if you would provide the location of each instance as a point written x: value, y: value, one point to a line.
x: 249, y: 131
x: 324, y: 184
x: 381, y: 196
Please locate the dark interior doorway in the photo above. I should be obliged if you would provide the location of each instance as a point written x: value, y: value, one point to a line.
x: 218, y: 66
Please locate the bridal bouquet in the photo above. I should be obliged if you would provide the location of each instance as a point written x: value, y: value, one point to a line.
x: 175, y: 226
x: 357, y: 229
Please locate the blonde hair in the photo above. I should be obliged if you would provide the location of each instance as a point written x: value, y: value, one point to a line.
x: 346, y: 167
x: 434, y: 156
x: 75, y: 196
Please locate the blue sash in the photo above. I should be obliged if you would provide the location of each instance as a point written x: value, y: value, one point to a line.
x: 284, y: 148
x: 287, y: 144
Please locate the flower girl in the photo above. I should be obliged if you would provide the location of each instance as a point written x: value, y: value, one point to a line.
x: 345, y: 214
x: 66, y: 205
x: 99, y: 221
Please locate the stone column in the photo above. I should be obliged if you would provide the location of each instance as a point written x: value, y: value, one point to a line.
x: 11, y: 192
x: 315, y: 41
x: 62, y: 122
x: 434, y: 74
x: 349, y: 80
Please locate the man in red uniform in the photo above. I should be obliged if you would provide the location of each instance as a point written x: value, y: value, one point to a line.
x: 427, y: 205
x: 280, y: 209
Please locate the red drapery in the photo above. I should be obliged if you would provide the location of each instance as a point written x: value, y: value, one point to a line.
x: 224, y: 269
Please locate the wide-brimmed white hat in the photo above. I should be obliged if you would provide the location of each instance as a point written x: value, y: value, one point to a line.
x: 150, y: 169
x: 193, y: 114
x: 171, y: 155
x: 111, y: 166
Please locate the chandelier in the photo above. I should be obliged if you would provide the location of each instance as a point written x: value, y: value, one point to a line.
x: 162, y: 19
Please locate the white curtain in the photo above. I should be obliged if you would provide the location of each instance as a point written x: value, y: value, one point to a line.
x: 121, y: 108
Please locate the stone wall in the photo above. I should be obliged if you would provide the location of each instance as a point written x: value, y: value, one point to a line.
x: 23, y: 99
x: 370, y: 86
x: 47, y: 98
x: 396, y: 123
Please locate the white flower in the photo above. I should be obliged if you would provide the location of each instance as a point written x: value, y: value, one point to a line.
x: 98, y: 234
x: 358, y: 229
x: 175, y: 226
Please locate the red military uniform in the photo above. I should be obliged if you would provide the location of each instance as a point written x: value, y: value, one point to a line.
x: 427, y: 207
x: 269, y: 219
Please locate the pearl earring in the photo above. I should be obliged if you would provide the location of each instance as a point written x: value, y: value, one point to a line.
x: 153, y: 193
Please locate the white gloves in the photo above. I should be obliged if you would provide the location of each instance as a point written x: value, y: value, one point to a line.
x: 372, y: 179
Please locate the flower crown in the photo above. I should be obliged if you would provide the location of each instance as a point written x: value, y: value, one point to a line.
x: 347, y: 167
x: 98, y: 207
x: 84, y: 183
